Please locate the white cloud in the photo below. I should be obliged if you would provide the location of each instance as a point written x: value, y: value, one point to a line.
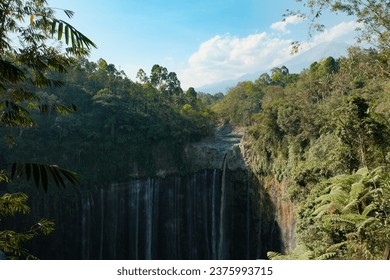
x: 344, y: 31
x: 229, y: 57
x: 281, y: 25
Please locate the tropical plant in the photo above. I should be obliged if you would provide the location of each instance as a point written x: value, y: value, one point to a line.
x: 30, y: 56
x: 351, y: 216
x: 11, y: 241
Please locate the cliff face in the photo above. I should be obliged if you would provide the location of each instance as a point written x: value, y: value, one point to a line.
x: 275, y: 189
x: 219, y: 209
x: 210, y: 214
x: 212, y: 152
x: 284, y: 210
x: 206, y: 154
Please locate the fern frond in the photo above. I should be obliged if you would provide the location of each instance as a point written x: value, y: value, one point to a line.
x: 368, y: 209
x: 337, y: 246
x: 273, y: 255
x: 366, y: 224
x: 322, y: 210
x: 356, y: 190
x: 327, y: 256
x: 351, y: 206
x: 362, y: 172
x: 343, y: 220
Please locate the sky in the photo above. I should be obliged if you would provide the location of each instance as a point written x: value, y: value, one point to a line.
x: 202, y: 41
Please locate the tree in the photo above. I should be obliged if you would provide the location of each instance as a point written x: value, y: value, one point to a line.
x: 166, y: 82
x: 27, y: 53
x: 372, y: 14
x: 282, y: 77
x: 240, y: 103
x: 365, y: 135
x: 158, y: 76
x: 191, y: 96
x: 173, y: 85
x: 142, y: 77
x: 28, y: 59
x: 28, y: 56
x: 264, y: 79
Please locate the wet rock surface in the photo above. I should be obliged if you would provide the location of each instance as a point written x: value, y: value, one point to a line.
x: 210, y: 153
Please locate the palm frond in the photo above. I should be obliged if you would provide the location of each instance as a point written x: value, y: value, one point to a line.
x: 14, y: 115
x: 42, y: 174
x: 10, y: 73
x: 79, y: 42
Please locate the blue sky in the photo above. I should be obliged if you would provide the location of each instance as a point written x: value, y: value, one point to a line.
x: 203, y: 41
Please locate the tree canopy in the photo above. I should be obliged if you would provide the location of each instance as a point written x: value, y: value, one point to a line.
x: 324, y: 133
x: 29, y: 59
x: 373, y: 15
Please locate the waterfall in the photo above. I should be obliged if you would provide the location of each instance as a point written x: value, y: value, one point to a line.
x: 175, y: 225
x: 101, y: 224
x: 135, y: 206
x: 222, y: 216
x: 189, y: 215
x: 213, y: 217
x: 205, y: 211
x: 205, y: 215
x: 149, y: 217
x: 87, y: 204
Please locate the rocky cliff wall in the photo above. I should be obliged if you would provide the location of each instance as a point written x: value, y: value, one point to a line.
x: 229, y: 143
x: 211, y: 153
x: 218, y: 209
x: 276, y: 190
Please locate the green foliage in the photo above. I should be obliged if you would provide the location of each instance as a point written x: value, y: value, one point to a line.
x: 331, y: 121
x: 26, y: 67
x: 361, y: 131
x: 372, y: 14
x: 31, y: 59
x: 324, y: 131
x: 12, y: 242
x: 319, y: 128
x: 351, y: 215
x: 120, y: 121
x: 239, y: 104
x: 300, y: 252
x: 209, y: 100
x: 42, y: 173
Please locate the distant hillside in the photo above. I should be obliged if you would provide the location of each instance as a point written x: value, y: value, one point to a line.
x: 295, y: 65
